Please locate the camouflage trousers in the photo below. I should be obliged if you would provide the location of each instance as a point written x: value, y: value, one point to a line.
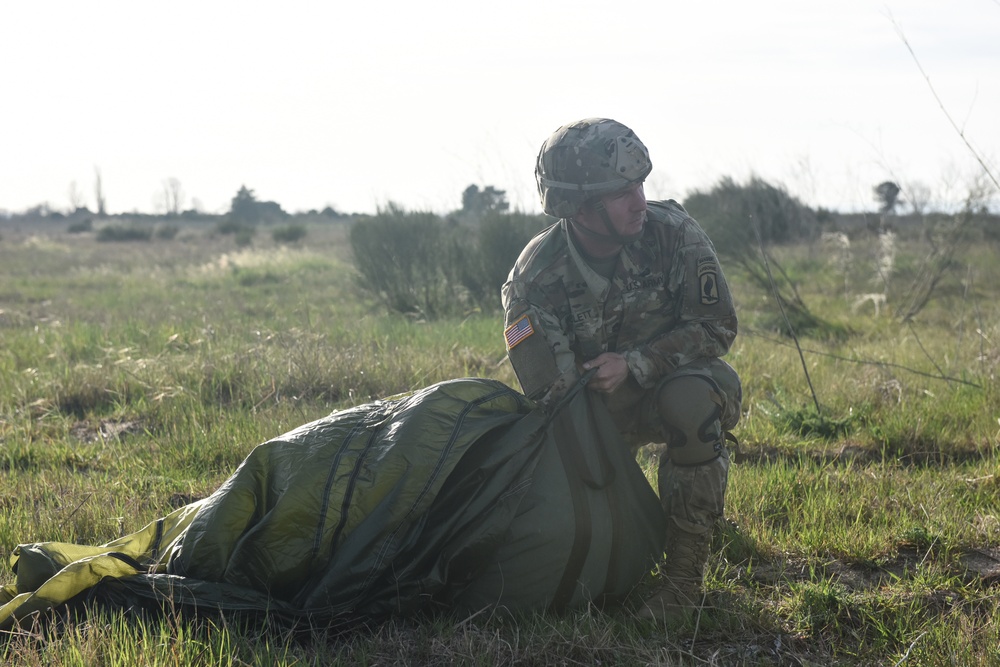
x: 693, y: 497
x: 696, y: 403
x: 689, y: 411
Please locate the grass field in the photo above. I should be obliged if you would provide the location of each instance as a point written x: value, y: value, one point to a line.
x: 135, y: 377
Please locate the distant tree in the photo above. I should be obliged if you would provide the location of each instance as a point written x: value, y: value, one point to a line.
x: 99, y: 193
x: 37, y: 211
x: 173, y: 197
x: 244, y: 206
x: 887, y: 195
x: 247, y: 209
x: 918, y: 196
x: 488, y: 200
x: 76, y: 198
x: 270, y: 210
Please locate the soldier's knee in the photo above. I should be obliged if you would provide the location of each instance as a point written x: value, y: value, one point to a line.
x: 731, y: 389
x: 690, y: 409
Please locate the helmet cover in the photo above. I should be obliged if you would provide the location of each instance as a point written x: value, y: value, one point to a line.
x: 586, y: 160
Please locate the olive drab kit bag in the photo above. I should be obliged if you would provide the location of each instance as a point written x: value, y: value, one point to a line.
x: 461, y: 496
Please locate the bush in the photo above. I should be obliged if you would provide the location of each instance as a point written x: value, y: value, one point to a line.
x: 81, y: 226
x: 231, y: 226
x: 244, y: 237
x: 288, y: 233
x: 732, y: 214
x: 117, y: 233
x: 407, y: 259
x: 242, y: 232
x: 492, y: 250
x: 167, y: 232
x: 419, y: 263
x: 729, y: 209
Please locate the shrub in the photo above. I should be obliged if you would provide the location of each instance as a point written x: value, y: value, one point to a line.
x: 231, y: 226
x: 727, y: 209
x: 118, y: 233
x: 167, y: 232
x: 86, y: 225
x: 407, y: 259
x: 493, y: 247
x: 733, y: 214
x: 288, y: 233
x: 419, y: 263
x: 244, y: 237
x: 242, y: 232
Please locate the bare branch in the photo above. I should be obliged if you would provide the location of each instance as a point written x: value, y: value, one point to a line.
x: 791, y: 329
x: 862, y: 362
x: 960, y: 132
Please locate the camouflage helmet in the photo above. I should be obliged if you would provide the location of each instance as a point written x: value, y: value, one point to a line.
x: 585, y: 160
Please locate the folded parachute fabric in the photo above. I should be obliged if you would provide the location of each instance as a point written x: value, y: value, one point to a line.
x: 462, y: 495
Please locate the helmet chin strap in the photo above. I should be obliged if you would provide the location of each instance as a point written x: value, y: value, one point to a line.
x: 613, y: 235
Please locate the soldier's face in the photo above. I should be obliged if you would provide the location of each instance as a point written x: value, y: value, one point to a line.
x: 626, y: 210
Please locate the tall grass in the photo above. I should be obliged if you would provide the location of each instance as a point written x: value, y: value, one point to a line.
x: 135, y: 379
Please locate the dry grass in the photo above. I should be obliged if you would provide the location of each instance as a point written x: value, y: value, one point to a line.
x: 135, y: 377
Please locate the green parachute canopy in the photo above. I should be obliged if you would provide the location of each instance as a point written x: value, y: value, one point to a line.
x: 461, y: 496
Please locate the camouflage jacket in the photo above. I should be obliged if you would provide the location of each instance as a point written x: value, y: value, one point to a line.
x: 667, y: 304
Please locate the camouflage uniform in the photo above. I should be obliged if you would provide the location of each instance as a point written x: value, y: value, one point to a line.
x: 668, y: 310
x: 666, y: 305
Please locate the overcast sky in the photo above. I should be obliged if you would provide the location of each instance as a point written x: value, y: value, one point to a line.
x: 356, y: 104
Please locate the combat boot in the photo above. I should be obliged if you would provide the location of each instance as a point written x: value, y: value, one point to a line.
x: 682, y: 575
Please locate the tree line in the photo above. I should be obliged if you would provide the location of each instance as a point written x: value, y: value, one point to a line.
x: 431, y: 265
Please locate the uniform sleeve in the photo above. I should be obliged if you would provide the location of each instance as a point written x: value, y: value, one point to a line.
x: 537, y: 344
x: 706, y: 317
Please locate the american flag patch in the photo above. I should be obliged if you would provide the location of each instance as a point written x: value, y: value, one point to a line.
x: 518, y: 331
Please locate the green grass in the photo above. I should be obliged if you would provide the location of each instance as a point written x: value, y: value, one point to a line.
x: 136, y: 376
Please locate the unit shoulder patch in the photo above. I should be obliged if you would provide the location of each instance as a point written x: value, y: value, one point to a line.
x: 708, y: 280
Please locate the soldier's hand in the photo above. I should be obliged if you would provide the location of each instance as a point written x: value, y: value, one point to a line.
x: 612, y: 370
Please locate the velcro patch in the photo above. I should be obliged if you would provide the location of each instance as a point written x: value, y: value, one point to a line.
x: 518, y: 331
x: 708, y: 279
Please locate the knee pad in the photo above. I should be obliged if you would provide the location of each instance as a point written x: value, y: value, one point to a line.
x: 690, y: 408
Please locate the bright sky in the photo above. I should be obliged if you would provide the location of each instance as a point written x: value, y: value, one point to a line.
x: 356, y: 104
